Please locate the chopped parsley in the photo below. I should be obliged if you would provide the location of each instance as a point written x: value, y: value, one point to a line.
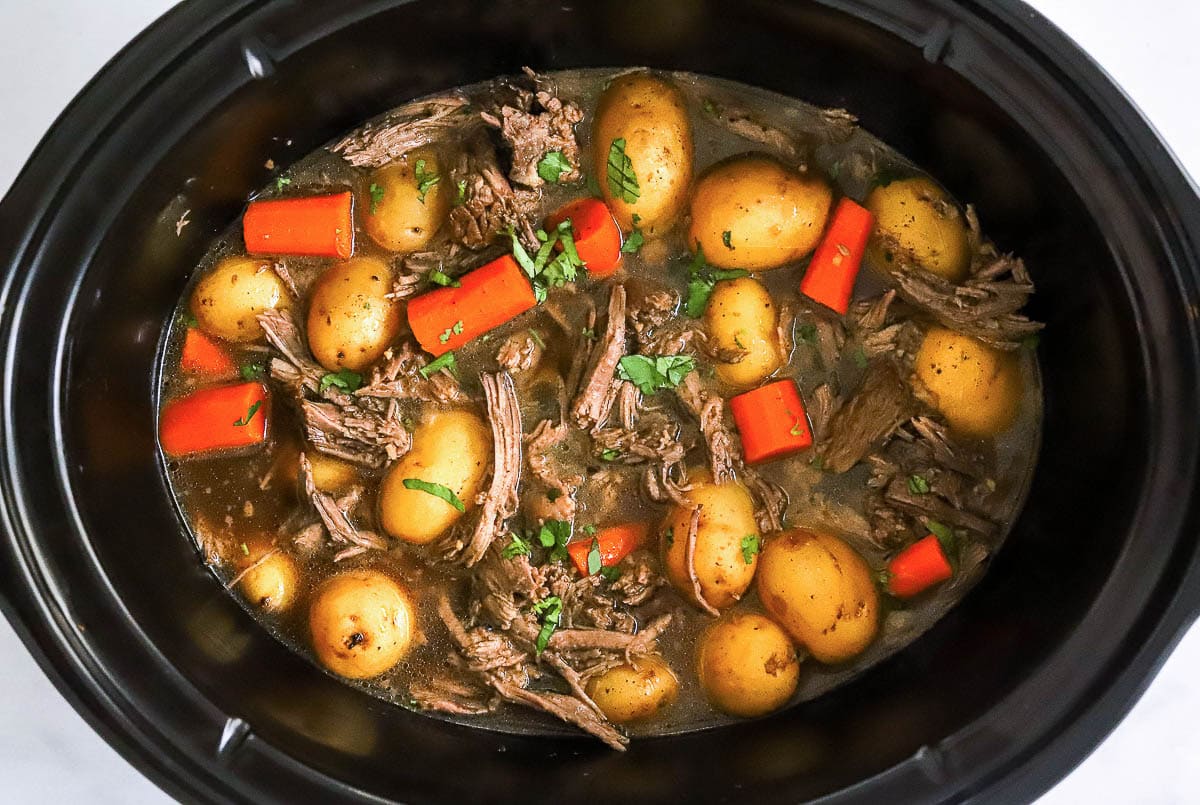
x: 609, y: 454
x: 253, y: 371
x: 594, y: 560
x: 807, y: 333
x: 281, y: 183
x: 860, y: 358
x: 537, y: 338
x: 437, y: 490
x: 588, y: 529
x: 516, y: 547
x: 737, y: 339
x: 188, y: 319
x: 588, y: 333
x: 555, y: 534
x: 943, y: 533
x: 245, y: 550
x: 446, y: 362
x: 345, y: 380
x: 455, y: 329
x: 610, y: 573
x: 918, y: 485
x: 425, y: 180
x: 553, y: 494
x: 593, y: 185
x: 622, y: 180
x: 460, y: 196
x: 702, y: 278
x: 727, y: 239
x: 669, y: 537
x: 552, y: 166
x: 244, y: 421
x: 544, y: 271
x: 439, y: 277
x: 653, y: 372
x: 377, y: 192
x: 549, y: 612
x: 797, y: 427
x: 635, y: 239
x: 749, y: 547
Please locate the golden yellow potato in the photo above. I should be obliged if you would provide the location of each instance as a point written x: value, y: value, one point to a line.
x: 632, y: 692
x: 769, y: 214
x: 741, y: 316
x: 747, y: 665
x: 351, y: 322
x: 651, y: 116
x: 976, y: 387
x: 919, y: 219
x: 821, y: 591
x: 362, y: 624
x: 271, y: 585
x: 399, y: 217
x: 331, y: 474
x: 229, y: 297
x: 451, y: 448
x: 726, y: 522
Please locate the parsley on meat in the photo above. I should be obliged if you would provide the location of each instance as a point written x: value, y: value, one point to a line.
x: 345, y: 380
x: 517, y: 547
x: 552, y: 166
x: 622, y: 181
x: 446, y: 362
x: 549, y: 613
x: 437, y: 490
x: 653, y: 372
x: 918, y: 485
x: 460, y: 197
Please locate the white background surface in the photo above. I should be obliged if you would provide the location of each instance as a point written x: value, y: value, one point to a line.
x: 49, y: 49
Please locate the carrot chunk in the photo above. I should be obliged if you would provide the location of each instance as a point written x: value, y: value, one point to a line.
x: 204, y: 357
x: 489, y: 296
x: 613, y: 544
x: 918, y: 567
x: 317, y: 226
x: 772, y: 421
x: 215, y: 419
x: 834, y: 265
x: 596, y: 234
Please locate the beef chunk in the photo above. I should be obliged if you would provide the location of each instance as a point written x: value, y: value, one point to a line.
x: 413, y: 125
x: 591, y: 408
x: 490, y: 204
x: 536, y: 123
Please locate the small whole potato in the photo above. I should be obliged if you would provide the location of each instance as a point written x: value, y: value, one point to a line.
x: 742, y: 319
x: 754, y: 213
x: 400, y: 217
x: 331, y: 474
x: 918, y: 219
x: 272, y: 583
x: 723, y: 560
x: 821, y: 591
x: 747, y: 665
x: 650, y: 116
x: 229, y: 297
x: 362, y: 624
x: 976, y: 387
x: 634, y: 691
x: 451, y: 449
x: 351, y: 322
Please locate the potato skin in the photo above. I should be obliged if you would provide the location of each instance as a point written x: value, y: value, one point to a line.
x: 821, y: 591
x: 651, y: 115
x: 272, y: 584
x: 451, y: 448
x: 361, y: 623
x: 627, y: 693
x: 400, y: 221
x: 351, y: 321
x: 227, y: 299
x: 773, y: 214
x: 741, y: 316
x: 976, y: 387
x: 747, y: 665
x: 330, y: 474
x: 726, y: 518
x: 907, y: 218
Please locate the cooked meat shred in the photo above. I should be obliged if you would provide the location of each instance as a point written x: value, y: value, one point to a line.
x: 534, y: 124
x: 335, y: 518
x: 883, y: 402
x: 490, y: 204
x: 413, y: 125
x: 520, y: 352
x: 591, y: 408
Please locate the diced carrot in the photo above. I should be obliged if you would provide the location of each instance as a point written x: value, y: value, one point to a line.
x: 487, y: 297
x: 614, y: 544
x: 834, y: 265
x: 918, y: 567
x: 215, y: 419
x: 772, y: 421
x: 203, y: 356
x: 317, y: 226
x: 597, y: 236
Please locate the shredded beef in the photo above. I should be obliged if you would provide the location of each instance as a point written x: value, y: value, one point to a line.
x: 638, y: 582
x: 883, y: 402
x: 518, y: 353
x: 337, y: 519
x: 490, y: 204
x: 649, y: 310
x: 769, y: 498
x: 407, y: 127
x: 822, y: 405
x: 591, y: 407
x: 556, y: 499
x: 724, y: 457
x: 399, y: 377
x: 534, y: 124
x: 689, y: 563
x: 447, y: 694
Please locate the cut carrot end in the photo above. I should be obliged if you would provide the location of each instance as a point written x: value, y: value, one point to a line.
x: 316, y: 226
x: 918, y: 567
x: 614, y: 543
x: 596, y: 234
x: 204, y: 357
x: 772, y: 421
x: 834, y: 267
x: 212, y: 419
x: 489, y: 296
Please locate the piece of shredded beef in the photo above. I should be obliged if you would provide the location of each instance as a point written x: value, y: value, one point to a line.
x: 689, y: 563
x: 447, y: 694
x: 337, y: 519
x: 649, y: 310
x: 724, y: 456
x: 822, y: 405
x: 595, y: 399
x: 520, y: 352
x: 399, y: 377
x: 413, y: 125
x: 555, y: 500
x: 770, y: 500
x: 534, y: 124
x: 882, y: 403
x: 490, y: 204
x: 638, y: 582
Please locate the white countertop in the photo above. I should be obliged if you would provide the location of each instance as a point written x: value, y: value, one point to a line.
x: 49, y: 49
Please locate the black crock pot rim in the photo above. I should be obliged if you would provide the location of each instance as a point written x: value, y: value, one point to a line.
x: 62, y: 652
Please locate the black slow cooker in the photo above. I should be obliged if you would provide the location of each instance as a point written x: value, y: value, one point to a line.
x: 998, y: 701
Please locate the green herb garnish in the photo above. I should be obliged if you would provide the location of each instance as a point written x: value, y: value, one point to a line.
x: 245, y: 550
x: 281, y: 183
x: 446, y: 362
x: 516, y: 547
x: 439, y: 277
x: 702, y: 278
x: 635, y: 239
x: 345, y: 380
x: 653, y: 372
x: 537, y: 338
x: 669, y: 537
x: 460, y: 196
x: 437, y: 490
x: 545, y: 272
x: 749, y: 547
x: 594, y: 560
x: 622, y: 180
x: 552, y: 166
x: 807, y: 333
x: 610, y: 573
x: 549, y: 612
x: 609, y: 454
x: 455, y: 329
x: 253, y: 371
x: 244, y: 421
x: 555, y: 534
x: 377, y: 193
x: 798, y: 427
x: 943, y: 533
x: 727, y: 239
x: 425, y: 181
x: 918, y: 485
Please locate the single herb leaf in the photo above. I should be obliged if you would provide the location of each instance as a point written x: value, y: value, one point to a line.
x: 635, y: 239
x: 377, y: 193
x: 594, y: 560
x: 918, y: 485
x: 437, y: 490
x: 244, y: 421
x: 446, y: 362
x: 253, y: 371
x: 749, y: 547
x: 943, y: 533
x: 610, y: 573
x: 653, y: 372
x: 281, y: 183
x: 439, y: 277
x: 552, y: 166
x: 460, y: 197
x: 549, y: 612
x: 807, y: 333
x: 555, y: 534
x: 622, y: 181
x: 609, y: 454
x: 425, y: 180
x: 516, y: 547
x: 346, y: 380
x: 727, y: 239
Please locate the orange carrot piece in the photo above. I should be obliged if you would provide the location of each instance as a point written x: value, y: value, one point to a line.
x: 489, y: 296
x: 834, y: 265
x: 918, y: 567
x: 204, y: 357
x: 317, y: 226
x: 614, y: 543
x: 215, y: 419
x: 597, y: 236
x: 772, y: 421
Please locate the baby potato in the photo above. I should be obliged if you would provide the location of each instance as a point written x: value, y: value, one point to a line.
x: 362, y: 624
x: 976, y: 387
x: 919, y: 219
x: 229, y: 297
x: 331, y: 474
x: 821, y: 591
x: 401, y: 218
x: 754, y: 213
x: 741, y: 317
x: 720, y: 563
x: 271, y: 585
x: 633, y: 692
x: 351, y: 321
x: 651, y: 117
x: 747, y: 665
x: 451, y: 448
